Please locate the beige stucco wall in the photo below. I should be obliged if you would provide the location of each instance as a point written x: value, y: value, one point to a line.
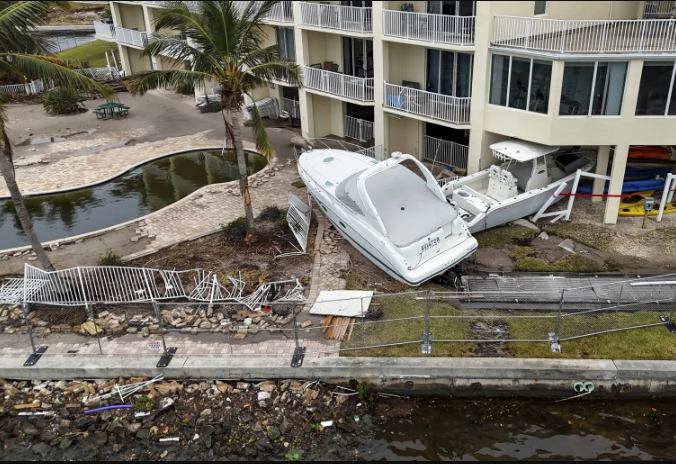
x: 137, y: 62
x: 131, y: 16
x: 406, y: 62
x: 324, y: 47
x: 569, y: 10
x: 405, y: 135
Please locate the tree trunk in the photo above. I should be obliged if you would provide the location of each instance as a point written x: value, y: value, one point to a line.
x: 24, y: 216
x: 243, y: 176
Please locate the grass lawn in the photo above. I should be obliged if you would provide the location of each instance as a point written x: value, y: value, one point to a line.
x: 93, y: 53
x: 403, y: 323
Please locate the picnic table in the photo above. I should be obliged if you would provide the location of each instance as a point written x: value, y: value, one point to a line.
x: 111, y: 110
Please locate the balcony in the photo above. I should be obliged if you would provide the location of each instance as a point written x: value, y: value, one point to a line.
x: 659, y: 10
x: 104, y: 31
x: 358, y: 129
x: 428, y: 104
x: 342, y: 85
x: 580, y: 37
x: 131, y: 37
x: 281, y: 12
x: 426, y: 27
x: 446, y: 152
x: 343, y: 18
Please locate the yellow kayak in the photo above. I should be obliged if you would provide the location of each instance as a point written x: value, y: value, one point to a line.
x: 636, y: 199
x: 636, y: 210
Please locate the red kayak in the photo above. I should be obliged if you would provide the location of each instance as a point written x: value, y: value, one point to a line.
x: 656, y: 153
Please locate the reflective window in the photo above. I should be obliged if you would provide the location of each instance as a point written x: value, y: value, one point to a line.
x: 540, y: 8
x: 285, y: 40
x: 520, y: 83
x: 592, y: 89
x: 656, y: 89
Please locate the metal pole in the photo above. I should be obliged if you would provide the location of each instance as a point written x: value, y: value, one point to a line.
x: 557, y: 329
x: 673, y: 308
x: 617, y: 305
x: 24, y: 307
x: 88, y: 309
x: 295, y: 325
x: 156, y: 307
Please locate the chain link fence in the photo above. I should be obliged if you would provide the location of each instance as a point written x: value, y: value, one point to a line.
x: 402, y: 324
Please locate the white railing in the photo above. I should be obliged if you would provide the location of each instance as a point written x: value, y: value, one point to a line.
x: 358, y: 129
x: 373, y: 152
x: 292, y: 107
x: 429, y: 104
x: 447, y: 29
x: 131, y: 37
x: 660, y: 10
x: 281, y: 12
x: 104, y: 73
x: 357, y: 88
x: 345, y: 18
x: 104, y: 30
x: 13, y: 88
x: 602, y: 36
x: 446, y: 152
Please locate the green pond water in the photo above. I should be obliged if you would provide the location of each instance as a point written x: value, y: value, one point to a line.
x: 141, y: 191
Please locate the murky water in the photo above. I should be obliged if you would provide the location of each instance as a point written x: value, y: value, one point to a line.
x: 530, y: 430
x: 141, y: 191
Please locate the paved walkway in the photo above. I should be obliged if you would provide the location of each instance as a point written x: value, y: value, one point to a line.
x: 185, y: 346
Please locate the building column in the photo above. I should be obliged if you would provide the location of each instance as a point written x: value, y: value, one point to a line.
x: 616, y: 180
x: 380, y: 76
x: 601, y: 169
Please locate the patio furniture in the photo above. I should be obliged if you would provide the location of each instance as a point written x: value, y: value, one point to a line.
x: 111, y: 110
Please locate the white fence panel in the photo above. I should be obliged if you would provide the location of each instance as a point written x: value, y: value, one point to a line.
x: 13, y: 88
x: 359, y: 129
x: 345, y: 18
x: 292, y: 107
x: 358, y: 88
x: 104, y: 30
x: 131, y: 37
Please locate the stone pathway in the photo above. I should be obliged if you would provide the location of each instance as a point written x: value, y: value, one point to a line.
x: 330, y: 261
x: 185, y: 347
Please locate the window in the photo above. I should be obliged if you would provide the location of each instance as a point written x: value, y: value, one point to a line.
x: 357, y: 57
x: 285, y: 40
x: 520, y: 83
x: 540, y: 8
x: 655, y: 92
x: 449, y: 73
x: 593, y: 89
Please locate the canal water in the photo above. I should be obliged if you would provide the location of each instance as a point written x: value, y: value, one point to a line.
x: 498, y: 429
x: 141, y: 191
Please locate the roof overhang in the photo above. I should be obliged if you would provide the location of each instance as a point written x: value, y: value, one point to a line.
x: 520, y: 150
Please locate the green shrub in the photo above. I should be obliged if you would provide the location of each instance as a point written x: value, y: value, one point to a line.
x: 63, y: 101
x: 235, y: 231
x: 110, y: 258
x: 271, y: 213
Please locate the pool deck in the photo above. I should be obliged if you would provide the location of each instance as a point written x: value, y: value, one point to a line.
x: 117, y: 146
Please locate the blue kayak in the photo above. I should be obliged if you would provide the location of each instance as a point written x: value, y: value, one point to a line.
x: 630, y: 186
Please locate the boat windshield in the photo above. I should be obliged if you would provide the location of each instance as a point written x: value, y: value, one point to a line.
x: 348, y: 193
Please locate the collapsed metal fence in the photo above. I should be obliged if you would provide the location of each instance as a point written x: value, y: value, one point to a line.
x: 479, y: 323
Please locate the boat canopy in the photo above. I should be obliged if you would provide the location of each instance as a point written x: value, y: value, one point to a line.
x: 520, y: 150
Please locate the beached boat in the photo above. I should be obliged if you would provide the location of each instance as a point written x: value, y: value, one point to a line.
x: 518, y: 187
x: 392, y: 211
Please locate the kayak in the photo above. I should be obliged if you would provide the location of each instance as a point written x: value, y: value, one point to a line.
x: 636, y: 209
x: 630, y: 186
x: 648, y: 155
x: 637, y: 198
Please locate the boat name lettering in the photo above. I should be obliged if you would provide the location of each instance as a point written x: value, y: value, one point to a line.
x: 431, y: 242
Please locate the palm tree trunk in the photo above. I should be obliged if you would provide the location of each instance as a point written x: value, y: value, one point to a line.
x: 24, y: 216
x: 243, y: 176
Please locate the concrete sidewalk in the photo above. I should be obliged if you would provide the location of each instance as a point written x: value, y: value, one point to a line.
x: 434, y: 376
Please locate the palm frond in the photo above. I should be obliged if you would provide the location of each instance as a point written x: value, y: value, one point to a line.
x: 149, y: 80
x: 16, y: 20
x: 282, y: 69
x: 45, y: 67
x: 261, y: 136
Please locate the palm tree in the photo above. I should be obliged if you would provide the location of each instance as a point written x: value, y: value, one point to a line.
x: 21, y: 55
x: 223, y: 42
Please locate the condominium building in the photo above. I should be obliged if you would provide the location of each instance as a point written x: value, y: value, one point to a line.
x: 443, y: 80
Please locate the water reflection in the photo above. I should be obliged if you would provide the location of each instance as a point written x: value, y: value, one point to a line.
x: 537, y: 430
x: 144, y: 190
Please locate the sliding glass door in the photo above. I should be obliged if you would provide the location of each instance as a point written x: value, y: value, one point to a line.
x: 452, y: 8
x: 358, y: 57
x: 449, y: 73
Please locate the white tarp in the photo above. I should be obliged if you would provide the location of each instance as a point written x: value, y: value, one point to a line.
x: 342, y: 303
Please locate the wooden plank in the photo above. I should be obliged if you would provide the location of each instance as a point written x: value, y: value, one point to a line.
x: 27, y: 406
x: 343, y: 328
x: 349, y: 334
x: 325, y: 324
x: 329, y: 332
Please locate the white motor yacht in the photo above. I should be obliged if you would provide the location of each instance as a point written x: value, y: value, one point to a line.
x: 392, y: 211
x: 518, y: 187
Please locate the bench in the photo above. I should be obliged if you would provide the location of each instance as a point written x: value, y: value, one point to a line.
x: 99, y: 114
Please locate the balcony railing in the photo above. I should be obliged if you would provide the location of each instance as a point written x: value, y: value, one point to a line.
x: 131, y: 37
x: 432, y: 105
x: 104, y: 30
x: 292, y: 107
x: 358, y: 129
x: 436, y: 28
x: 597, y: 36
x: 660, y: 10
x: 357, y: 88
x: 446, y: 152
x: 281, y: 12
x: 344, y: 18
